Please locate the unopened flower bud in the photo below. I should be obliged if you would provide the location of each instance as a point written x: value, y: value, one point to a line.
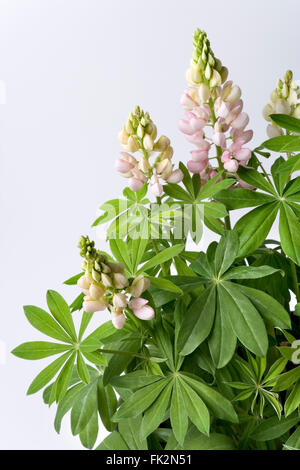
x: 234, y: 94
x: 96, y: 276
x: 296, y: 112
x: 267, y: 110
x: 273, y: 131
x: 148, y: 143
x: 203, y: 92
x: 144, y: 164
x: 140, y: 131
x: 215, y: 79
x: 84, y: 284
x: 90, y: 306
x: 162, y: 144
x: 119, y: 301
x: 116, y: 267
x: 95, y: 291
x: 132, y: 144
x: 123, y: 137
x: 139, y: 285
x: 120, y: 280
x: 106, y: 280
x: 224, y: 74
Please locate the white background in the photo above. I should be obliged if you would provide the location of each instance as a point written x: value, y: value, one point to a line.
x: 73, y: 70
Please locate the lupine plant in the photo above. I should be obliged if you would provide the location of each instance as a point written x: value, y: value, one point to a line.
x: 202, y: 349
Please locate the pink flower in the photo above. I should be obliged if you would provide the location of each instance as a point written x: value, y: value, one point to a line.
x: 219, y: 139
x: 144, y: 313
x: 196, y: 167
x: 122, y: 166
x: 137, y: 303
x: 175, y: 177
x: 118, y: 320
x: 240, y: 121
x: 90, y: 306
x: 231, y: 165
x: 156, y: 189
x: 187, y: 102
x: 140, y: 309
x: 135, y: 184
x: 199, y: 155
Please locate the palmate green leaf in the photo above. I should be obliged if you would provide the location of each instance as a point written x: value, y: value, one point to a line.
x: 201, y: 266
x: 176, y: 192
x: 64, y: 378
x: 270, y: 309
x: 197, y: 441
x: 130, y: 430
x: 226, y: 252
x: 107, y: 404
x: 195, y: 408
x: 222, y: 341
x: 256, y: 179
x: 140, y: 400
x: 212, y: 187
x: 39, y: 349
x: 214, y: 209
x: 66, y: 404
x: 287, y: 379
x: 47, y: 374
x: 293, y: 400
x: 245, y: 320
x: 120, y: 251
x: 254, y: 227
x: 280, y: 179
x: 293, y: 187
x: 250, y: 272
x: 217, y: 403
x: 61, y: 312
x: 118, y: 363
x: 154, y: 415
x: 290, y: 165
x: 289, y: 229
x: 283, y: 143
x: 85, y: 320
x: 241, y: 198
x: 289, y: 123
x: 138, y: 248
x: 43, y: 322
x: 84, y: 407
x: 113, y: 442
x: 293, y: 442
x: 82, y: 369
x: 134, y: 380
x: 162, y: 257
x: 272, y: 428
x: 178, y: 414
x: 275, y: 370
x: 187, y: 180
x: 93, y: 341
x: 165, y: 284
x: 88, y: 435
x: 198, y: 322
x: 77, y: 303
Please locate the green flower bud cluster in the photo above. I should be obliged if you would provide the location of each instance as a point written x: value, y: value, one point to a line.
x: 87, y: 248
x: 139, y: 131
x: 99, y: 269
x: 205, y: 67
x: 283, y: 100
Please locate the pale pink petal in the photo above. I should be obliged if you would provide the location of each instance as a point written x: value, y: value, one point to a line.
x: 196, y: 167
x: 199, y: 155
x: 144, y: 313
x: 156, y: 189
x: 243, y: 154
x: 219, y: 139
x: 135, y: 184
x: 231, y: 165
x: 137, y: 303
x: 118, y: 320
x: 175, y: 177
x: 185, y: 127
x: 225, y: 156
